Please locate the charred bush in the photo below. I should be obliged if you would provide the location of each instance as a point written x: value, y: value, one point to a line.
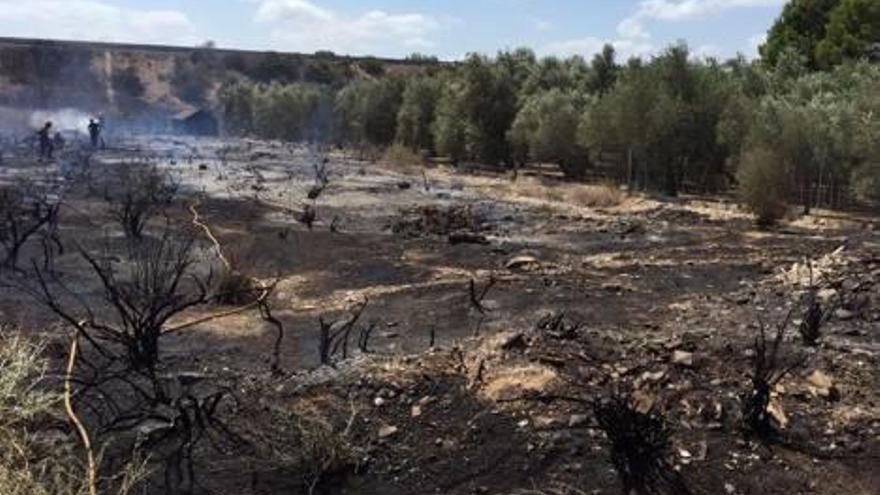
x: 141, y: 193
x: 814, y: 318
x: 233, y: 286
x: 768, y: 368
x: 333, y: 337
x: 142, y: 291
x: 322, y: 180
x: 25, y: 211
x: 558, y: 326
x: 639, y: 443
x: 308, y: 216
x: 438, y: 220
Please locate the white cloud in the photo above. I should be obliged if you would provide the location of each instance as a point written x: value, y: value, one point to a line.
x: 681, y: 10
x: 94, y: 20
x: 754, y: 43
x: 299, y: 25
x: 633, y: 27
x: 281, y: 10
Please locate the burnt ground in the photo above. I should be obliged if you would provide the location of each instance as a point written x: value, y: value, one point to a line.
x: 491, y: 408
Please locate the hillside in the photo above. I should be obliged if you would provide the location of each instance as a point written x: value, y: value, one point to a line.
x: 138, y: 80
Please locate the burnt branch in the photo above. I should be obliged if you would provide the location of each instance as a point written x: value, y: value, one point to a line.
x: 25, y: 211
x: 477, y: 296
x: 140, y: 194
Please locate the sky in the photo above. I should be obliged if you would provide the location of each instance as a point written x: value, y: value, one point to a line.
x: 448, y: 29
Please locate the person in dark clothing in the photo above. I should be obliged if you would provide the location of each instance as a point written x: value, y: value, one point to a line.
x: 94, y: 132
x: 58, y: 142
x: 46, y: 145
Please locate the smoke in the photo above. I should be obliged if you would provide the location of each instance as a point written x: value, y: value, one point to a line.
x: 66, y: 119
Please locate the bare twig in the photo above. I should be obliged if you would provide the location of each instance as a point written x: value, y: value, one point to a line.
x: 80, y: 428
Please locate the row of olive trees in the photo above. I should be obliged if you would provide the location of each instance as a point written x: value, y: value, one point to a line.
x: 668, y: 123
x: 809, y: 140
x: 464, y: 111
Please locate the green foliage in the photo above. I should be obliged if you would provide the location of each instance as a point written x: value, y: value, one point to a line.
x: 801, y: 27
x: 568, y: 75
x: 852, y: 27
x: 604, y: 71
x: 372, y: 66
x: 417, y: 112
x: 763, y: 183
x: 666, y: 113
x: 236, y: 101
x: 287, y: 112
x: 451, y: 126
x: 546, y: 127
x: 367, y: 111
x: 420, y: 58
x: 825, y: 33
x: 490, y: 104
x: 36, y: 456
x: 821, y: 127
x: 667, y: 123
x: 272, y: 67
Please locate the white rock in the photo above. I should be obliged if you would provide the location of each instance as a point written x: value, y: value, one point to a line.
x: 683, y: 358
x: 387, y: 431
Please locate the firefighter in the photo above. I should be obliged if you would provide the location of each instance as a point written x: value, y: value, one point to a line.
x: 94, y: 132
x: 45, y: 138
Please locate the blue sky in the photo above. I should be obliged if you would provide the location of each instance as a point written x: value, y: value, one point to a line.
x: 394, y: 28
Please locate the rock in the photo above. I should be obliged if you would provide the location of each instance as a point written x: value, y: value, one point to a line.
x: 653, y: 377
x: 404, y: 185
x: 544, y: 422
x: 523, y: 263
x: 729, y: 489
x: 702, y: 451
x: 387, y: 431
x: 819, y: 379
x: 416, y: 411
x: 683, y: 358
x: 644, y: 401
x: 378, y: 402
x: 827, y: 294
x: 515, y: 341
x: 822, y: 385
x: 577, y: 420
x: 844, y: 314
x: 774, y: 409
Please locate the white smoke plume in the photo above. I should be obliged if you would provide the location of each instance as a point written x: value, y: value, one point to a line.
x: 66, y: 119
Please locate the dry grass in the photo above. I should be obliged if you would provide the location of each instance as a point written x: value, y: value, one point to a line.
x: 507, y: 382
x: 37, y: 456
x: 580, y: 195
x: 403, y: 159
x: 235, y: 288
x: 309, y: 438
x: 596, y: 196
